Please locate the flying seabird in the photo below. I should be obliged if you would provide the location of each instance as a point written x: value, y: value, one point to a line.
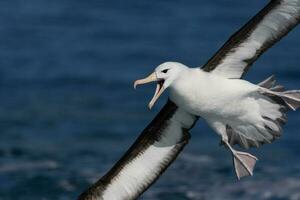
x: 238, y: 111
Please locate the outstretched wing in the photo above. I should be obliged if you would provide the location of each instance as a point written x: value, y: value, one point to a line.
x: 154, y: 150
x: 260, y: 33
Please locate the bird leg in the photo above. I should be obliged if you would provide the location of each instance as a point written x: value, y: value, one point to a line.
x: 243, y: 162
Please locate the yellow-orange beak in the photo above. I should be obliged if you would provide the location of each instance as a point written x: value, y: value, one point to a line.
x: 159, y: 87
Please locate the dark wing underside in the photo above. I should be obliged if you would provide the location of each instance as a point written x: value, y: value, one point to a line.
x: 260, y: 33
x: 154, y: 150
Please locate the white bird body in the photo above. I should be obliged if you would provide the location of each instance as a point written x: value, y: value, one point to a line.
x: 247, y: 109
x: 212, y: 96
x: 216, y: 99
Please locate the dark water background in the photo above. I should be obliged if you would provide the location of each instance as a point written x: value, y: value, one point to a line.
x: 68, y: 110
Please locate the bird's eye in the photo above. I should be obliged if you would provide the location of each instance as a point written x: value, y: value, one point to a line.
x: 165, y: 71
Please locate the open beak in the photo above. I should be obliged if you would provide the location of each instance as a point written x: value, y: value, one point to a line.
x: 159, y: 87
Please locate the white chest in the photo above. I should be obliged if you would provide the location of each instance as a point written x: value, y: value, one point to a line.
x: 201, y: 93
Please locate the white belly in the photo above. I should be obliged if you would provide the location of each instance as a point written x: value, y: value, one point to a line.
x: 210, y: 96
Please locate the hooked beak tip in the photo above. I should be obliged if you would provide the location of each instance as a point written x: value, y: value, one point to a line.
x: 150, y: 106
x: 135, y: 84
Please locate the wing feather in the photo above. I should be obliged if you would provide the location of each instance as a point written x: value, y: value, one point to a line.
x: 154, y: 150
x: 260, y: 33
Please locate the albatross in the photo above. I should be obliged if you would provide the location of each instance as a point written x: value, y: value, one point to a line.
x: 240, y: 112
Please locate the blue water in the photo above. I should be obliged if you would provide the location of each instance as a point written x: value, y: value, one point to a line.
x: 68, y: 110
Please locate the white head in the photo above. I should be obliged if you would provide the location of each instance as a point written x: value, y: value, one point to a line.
x: 165, y: 74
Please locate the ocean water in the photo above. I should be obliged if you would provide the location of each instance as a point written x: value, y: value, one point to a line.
x: 68, y: 110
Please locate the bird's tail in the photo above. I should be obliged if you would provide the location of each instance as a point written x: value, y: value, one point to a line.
x: 289, y: 98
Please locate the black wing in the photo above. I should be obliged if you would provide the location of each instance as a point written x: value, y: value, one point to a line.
x: 260, y: 33
x: 154, y: 150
